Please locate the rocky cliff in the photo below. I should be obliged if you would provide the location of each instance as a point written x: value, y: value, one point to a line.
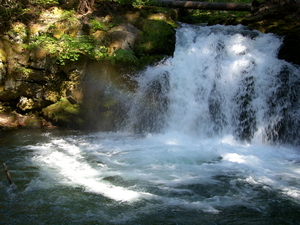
x: 65, y: 69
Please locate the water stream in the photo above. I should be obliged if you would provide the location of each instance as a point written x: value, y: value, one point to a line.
x: 211, y: 137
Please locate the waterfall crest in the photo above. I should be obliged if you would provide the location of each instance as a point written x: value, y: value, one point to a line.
x: 222, y: 80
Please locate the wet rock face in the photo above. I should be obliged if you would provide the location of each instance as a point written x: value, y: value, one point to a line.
x: 290, y: 50
x: 286, y: 22
x: 281, y: 17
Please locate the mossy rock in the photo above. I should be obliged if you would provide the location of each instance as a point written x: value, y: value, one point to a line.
x: 63, y: 27
x: 18, y: 32
x: 63, y: 113
x: 159, y: 13
x: 157, y: 38
x: 33, y: 122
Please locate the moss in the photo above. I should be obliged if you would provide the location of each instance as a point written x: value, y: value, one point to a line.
x: 33, y: 122
x: 159, y: 13
x: 157, y: 37
x: 70, y: 26
x: 63, y: 113
x: 281, y: 27
x: 124, y: 57
x: 150, y: 59
x: 211, y: 17
x: 146, y: 10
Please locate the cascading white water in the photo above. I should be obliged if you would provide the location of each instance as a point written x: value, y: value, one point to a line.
x: 198, y: 153
x: 221, y: 81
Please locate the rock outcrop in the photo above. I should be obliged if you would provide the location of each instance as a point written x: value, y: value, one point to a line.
x: 282, y: 18
x: 73, y: 70
x: 274, y: 16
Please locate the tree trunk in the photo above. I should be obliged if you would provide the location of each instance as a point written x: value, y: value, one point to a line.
x: 85, y: 6
x: 208, y: 5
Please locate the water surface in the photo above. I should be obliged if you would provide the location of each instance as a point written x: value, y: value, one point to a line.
x: 211, y: 137
x: 71, y: 177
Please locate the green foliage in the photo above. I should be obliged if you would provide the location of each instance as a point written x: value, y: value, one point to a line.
x: 212, y: 16
x: 209, y: 16
x: 99, y: 52
x: 44, y: 2
x: 72, y: 48
x: 156, y: 2
x: 145, y: 2
x: 103, y: 24
x: 138, y: 2
x: 27, y: 10
x: 68, y: 15
x: 97, y: 25
x: 23, y: 70
x: 68, y: 48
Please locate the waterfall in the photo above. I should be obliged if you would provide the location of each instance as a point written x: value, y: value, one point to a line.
x: 185, y: 155
x: 222, y: 80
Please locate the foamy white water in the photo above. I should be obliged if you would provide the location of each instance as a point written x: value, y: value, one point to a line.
x: 221, y: 81
x: 212, y: 137
x: 159, y: 166
x: 65, y: 163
